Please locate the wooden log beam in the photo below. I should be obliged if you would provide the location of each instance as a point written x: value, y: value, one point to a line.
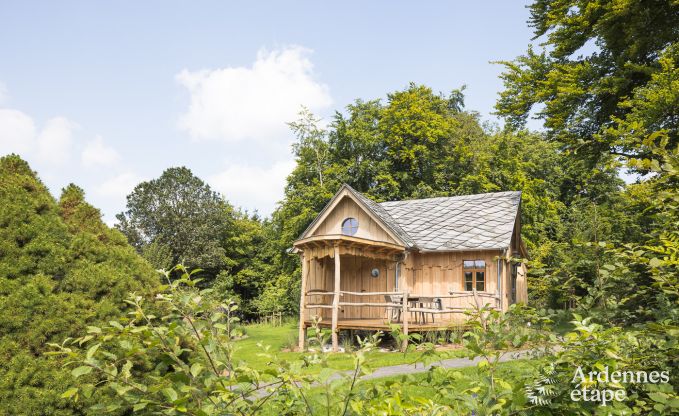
x: 371, y: 293
x: 404, y: 347
x: 378, y: 304
x: 318, y: 293
x: 302, y: 327
x: 335, y: 301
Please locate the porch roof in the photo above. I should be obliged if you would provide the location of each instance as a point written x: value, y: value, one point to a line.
x: 322, y: 245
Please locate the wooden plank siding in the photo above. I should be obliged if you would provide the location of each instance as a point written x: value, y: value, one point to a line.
x: 433, y: 274
x: 347, y: 208
x: 429, y: 274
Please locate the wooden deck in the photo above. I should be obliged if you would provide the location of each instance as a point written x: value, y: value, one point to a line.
x: 383, y: 325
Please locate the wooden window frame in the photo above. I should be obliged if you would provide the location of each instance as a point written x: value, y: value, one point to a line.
x: 352, y: 228
x: 475, y: 270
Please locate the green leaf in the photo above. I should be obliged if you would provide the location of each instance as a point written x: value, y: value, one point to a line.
x: 116, y: 325
x: 125, y: 371
x: 82, y: 370
x: 93, y: 330
x: 139, y: 406
x: 170, y: 394
x: 69, y: 393
x: 196, y: 368
x: 658, y: 397
x: 655, y: 262
x: 92, y: 350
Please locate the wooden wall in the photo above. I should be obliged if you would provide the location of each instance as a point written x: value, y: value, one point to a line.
x: 356, y: 277
x: 424, y: 273
x: 440, y: 273
x: 346, y: 208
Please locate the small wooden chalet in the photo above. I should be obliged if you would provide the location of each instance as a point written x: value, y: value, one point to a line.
x: 419, y: 263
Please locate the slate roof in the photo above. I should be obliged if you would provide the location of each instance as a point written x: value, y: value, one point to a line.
x: 468, y: 222
x: 383, y: 214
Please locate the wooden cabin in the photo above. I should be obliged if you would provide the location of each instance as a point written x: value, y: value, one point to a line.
x: 420, y: 263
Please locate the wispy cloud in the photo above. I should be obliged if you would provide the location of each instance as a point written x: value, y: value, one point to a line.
x: 259, y: 187
x: 98, y: 153
x: 17, y: 131
x: 55, y: 141
x: 119, y: 186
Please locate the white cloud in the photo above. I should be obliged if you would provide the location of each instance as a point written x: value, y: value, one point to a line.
x: 253, y: 187
x: 55, y: 141
x: 17, y: 132
x: 236, y: 103
x: 18, y: 135
x: 98, y: 153
x: 119, y: 186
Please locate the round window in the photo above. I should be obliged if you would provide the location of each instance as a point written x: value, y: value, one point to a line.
x: 349, y: 226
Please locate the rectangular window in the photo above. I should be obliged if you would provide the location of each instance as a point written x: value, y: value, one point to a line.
x: 474, y: 275
x: 468, y: 281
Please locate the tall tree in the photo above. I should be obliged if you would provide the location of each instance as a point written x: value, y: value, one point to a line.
x: 596, y: 55
x: 606, y: 85
x: 178, y: 218
x: 61, y: 269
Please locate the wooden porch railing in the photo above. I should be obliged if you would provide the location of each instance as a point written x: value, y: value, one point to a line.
x: 404, y: 305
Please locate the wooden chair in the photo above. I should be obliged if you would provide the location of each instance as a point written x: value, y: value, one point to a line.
x: 393, y: 312
x: 432, y: 306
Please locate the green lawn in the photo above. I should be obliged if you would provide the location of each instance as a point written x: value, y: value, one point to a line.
x: 413, y: 386
x: 284, y: 336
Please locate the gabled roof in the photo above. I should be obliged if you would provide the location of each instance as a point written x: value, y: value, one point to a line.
x: 468, y: 222
x: 383, y: 214
x: 370, y: 207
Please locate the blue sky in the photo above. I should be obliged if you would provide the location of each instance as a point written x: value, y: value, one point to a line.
x: 106, y: 94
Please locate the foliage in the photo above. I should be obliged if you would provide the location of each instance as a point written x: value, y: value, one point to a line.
x: 593, y: 348
x: 61, y: 269
x: 421, y: 144
x: 595, y: 56
x: 179, y: 218
x: 179, y: 212
x: 182, y: 362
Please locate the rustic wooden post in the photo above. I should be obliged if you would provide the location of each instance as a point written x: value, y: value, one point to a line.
x: 335, y: 301
x: 482, y: 316
x: 405, y: 321
x: 302, y: 302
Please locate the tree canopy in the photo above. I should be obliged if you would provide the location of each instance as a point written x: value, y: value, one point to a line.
x: 595, y: 57
x: 178, y: 218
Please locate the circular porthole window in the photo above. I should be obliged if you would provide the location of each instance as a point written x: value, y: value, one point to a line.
x: 349, y: 226
x: 375, y: 272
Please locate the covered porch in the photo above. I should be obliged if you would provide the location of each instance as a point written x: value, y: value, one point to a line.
x: 353, y: 283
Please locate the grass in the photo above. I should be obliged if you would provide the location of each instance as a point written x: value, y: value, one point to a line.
x: 284, y: 336
x: 414, y: 387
